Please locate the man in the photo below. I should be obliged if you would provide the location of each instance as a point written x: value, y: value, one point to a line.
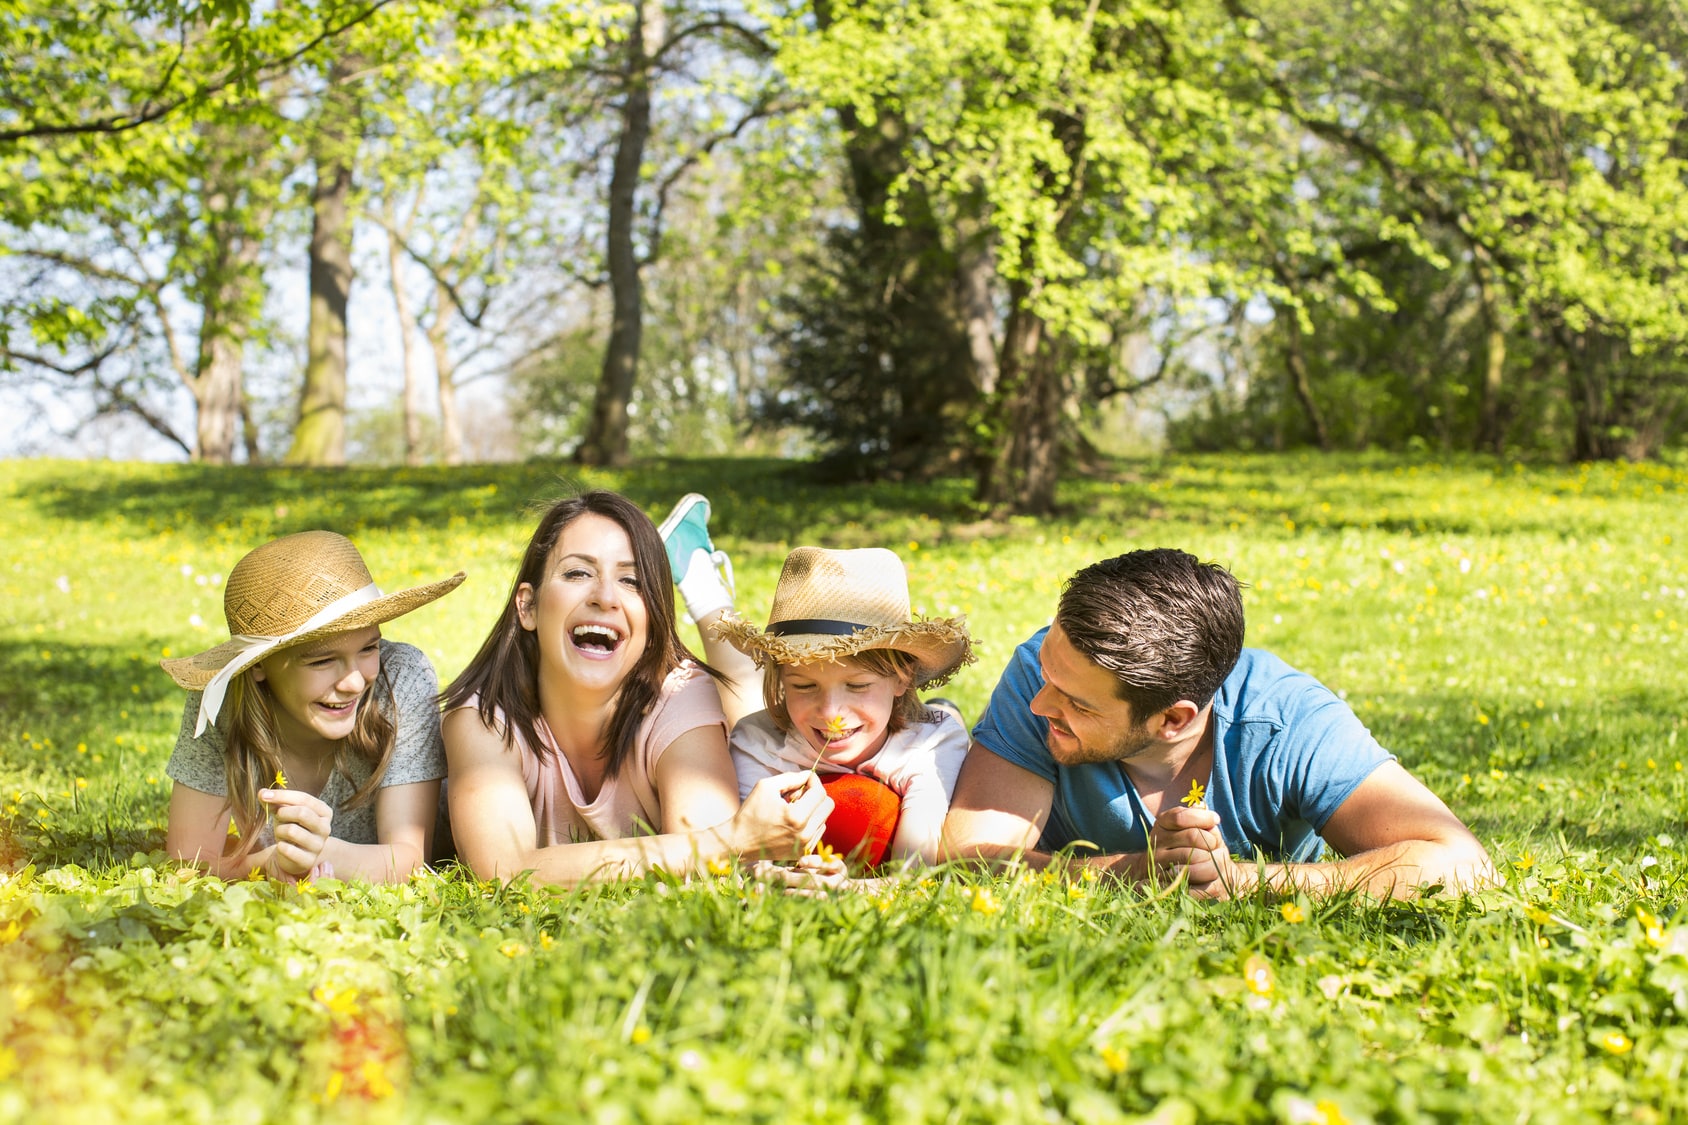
x: 1138, y: 727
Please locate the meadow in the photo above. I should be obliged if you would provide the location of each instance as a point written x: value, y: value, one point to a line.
x: 1515, y: 633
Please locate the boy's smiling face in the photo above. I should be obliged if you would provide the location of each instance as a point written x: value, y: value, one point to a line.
x: 842, y: 710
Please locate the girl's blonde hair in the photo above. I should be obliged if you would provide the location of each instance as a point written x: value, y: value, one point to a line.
x: 252, y: 750
x: 889, y: 662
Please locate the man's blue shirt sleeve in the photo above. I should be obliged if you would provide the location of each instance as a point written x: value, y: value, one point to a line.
x: 1008, y: 728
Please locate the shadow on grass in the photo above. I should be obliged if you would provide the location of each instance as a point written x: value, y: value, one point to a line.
x: 761, y: 499
x: 84, y: 736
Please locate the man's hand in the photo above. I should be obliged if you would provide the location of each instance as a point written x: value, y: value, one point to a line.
x: 1185, y: 842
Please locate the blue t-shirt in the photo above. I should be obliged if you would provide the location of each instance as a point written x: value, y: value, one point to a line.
x: 1286, y: 753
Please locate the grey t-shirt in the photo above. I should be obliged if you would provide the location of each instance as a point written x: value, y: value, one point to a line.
x: 418, y: 755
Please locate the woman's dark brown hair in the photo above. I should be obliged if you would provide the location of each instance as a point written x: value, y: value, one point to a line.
x: 504, y: 674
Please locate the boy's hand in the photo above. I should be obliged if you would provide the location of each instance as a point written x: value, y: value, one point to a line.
x: 302, y: 827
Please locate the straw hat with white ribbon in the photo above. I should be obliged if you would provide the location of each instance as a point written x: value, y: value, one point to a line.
x: 289, y: 591
x: 833, y: 604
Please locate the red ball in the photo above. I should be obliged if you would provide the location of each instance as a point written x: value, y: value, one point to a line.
x: 864, y: 818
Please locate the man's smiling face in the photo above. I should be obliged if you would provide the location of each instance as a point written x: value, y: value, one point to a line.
x: 1088, y: 721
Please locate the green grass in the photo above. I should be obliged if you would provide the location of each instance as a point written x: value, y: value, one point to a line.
x: 1514, y: 633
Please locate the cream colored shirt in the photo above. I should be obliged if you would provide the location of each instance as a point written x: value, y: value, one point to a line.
x: 919, y: 763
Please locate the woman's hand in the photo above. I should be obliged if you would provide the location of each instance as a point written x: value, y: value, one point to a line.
x: 813, y: 876
x: 783, y: 817
x: 302, y: 828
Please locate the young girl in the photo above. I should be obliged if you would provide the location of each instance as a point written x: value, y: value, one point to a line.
x: 842, y: 658
x: 316, y: 737
x: 584, y: 740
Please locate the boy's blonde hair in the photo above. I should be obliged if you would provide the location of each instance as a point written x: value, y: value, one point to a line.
x: 252, y: 750
x: 889, y: 662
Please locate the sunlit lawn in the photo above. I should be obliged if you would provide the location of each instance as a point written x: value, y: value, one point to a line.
x: 1514, y: 633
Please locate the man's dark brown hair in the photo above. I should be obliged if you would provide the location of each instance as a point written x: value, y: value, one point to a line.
x: 1166, y: 624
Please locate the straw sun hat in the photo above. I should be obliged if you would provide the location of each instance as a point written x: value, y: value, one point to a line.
x: 289, y: 591
x: 833, y: 604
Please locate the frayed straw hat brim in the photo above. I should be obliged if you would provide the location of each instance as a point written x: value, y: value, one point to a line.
x: 194, y: 672
x: 942, y: 645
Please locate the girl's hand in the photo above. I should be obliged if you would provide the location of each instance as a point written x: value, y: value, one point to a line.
x: 302, y: 828
x: 783, y: 817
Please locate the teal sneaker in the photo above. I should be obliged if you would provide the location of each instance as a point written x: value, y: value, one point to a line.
x: 686, y: 532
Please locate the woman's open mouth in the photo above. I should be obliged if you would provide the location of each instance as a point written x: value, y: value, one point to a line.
x: 338, y: 710
x: 596, y: 641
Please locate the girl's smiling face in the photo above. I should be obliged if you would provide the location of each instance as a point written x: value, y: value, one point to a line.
x: 316, y: 686
x: 842, y: 709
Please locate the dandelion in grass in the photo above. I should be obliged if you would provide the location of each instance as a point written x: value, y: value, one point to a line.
x: 1524, y: 862
x: 1117, y: 1061
x: 1616, y: 1043
x: 1258, y: 975
x: 984, y: 902
x: 513, y: 949
x: 1195, y: 798
x: 1651, y: 929
x: 720, y: 867
x: 1293, y: 913
x: 341, y: 1002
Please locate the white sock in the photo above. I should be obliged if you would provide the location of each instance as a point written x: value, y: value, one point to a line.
x: 701, y: 587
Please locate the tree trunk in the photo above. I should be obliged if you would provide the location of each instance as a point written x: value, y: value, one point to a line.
x: 606, y: 441
x: 1295, y: 364
x: 1023, y: 474
x: 1491, y: 434
x: 320, y: 438
x: 975, y: 279
x: 407, y: 344
x: 217, y: 391
x: 445, y: 372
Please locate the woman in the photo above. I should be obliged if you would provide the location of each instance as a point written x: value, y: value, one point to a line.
x: 585, y: 741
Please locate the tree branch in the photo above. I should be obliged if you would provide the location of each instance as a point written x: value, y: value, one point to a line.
x: 122, y: 123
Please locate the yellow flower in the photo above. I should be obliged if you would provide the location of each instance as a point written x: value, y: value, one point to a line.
x: 10, y: 932
x: 1616, y: 1042
x: 280, y: 780
x: 835, y: 726
x: 826, y: 851
x: 338, y: 1001
x: 1539, y: 916
x: 1292, y: 912
x: 1075, y: 890
x: 1116, y: 1061
x: 720, y: 866
x: 1328, y: 1113
x: 1651, y: 928
x: 256, y: 875
x: 984, y: 902
x: 336, y: 1082
x: 641, y: 1034
x: 375, y: 1079
x: 546, y: 941
x: 1193, y: 799
x: 1258, y: 976
x: 513, y: 949
x: 1524, y: 862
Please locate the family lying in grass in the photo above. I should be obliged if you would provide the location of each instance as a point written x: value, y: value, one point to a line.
x: 584, y: 741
